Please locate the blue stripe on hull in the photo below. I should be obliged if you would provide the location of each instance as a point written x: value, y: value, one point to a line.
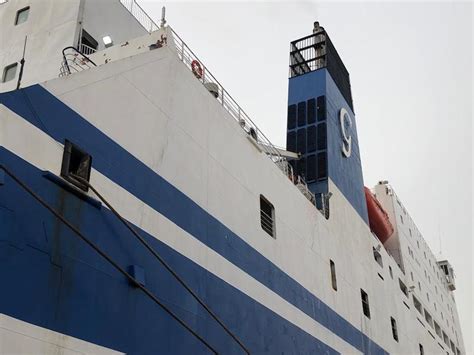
x: 49, y: 114
x: 52, y: 279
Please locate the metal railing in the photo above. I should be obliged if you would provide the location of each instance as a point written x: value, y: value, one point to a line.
x: 307, y: 54
x: 187, y: 56
x: 74, y: 61
x: 87, y: 50
x: 140, y: 15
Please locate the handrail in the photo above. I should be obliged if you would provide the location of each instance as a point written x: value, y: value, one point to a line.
x: 187, y: 56
x: 88, y: 50
x: 65, y: 61
x: 140, y: 15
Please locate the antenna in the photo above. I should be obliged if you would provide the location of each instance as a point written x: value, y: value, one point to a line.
x: 22, y: 64
x: 163, y: 19
x: 439, y: 236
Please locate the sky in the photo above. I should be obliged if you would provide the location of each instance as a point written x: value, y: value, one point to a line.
x: 411, y: 75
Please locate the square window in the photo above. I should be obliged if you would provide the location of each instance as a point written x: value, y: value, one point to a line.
x: 9, y: 72
x: 22, y: 15
x: 76, y: 162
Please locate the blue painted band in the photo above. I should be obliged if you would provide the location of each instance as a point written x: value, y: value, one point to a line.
x: 45, y: 111
x: 54, y: 280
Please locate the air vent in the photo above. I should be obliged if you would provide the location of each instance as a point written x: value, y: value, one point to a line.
x: 76, y: 162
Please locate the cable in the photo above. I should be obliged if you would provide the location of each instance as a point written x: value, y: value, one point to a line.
x: 162, y: 261
x: 106, y: 257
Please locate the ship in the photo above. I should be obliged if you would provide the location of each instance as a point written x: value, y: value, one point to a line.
x: 142, y: 211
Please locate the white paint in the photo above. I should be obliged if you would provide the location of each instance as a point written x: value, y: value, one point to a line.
x: 52, y: 26
x: 19, y: 337
x: 109, y: 18
x: 154, y: 107
x: 346, y: 146
x: 142, y: 215
x: 131, y: 47
x: 189, y: 139
x: 422, y: 263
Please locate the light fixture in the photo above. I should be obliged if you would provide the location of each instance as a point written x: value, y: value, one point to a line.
x: 107, y: 41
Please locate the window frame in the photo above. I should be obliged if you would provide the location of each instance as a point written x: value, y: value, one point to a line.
x: 422, y: 350
x: 19, y: 12
x: 72, y: 151
x: 365, y: 303
x: 269, y: 229
x: 393, y: 323
x: 332, y: 267
x: 5, y: 71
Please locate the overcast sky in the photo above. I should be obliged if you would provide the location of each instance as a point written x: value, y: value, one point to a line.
x: 411, y: 75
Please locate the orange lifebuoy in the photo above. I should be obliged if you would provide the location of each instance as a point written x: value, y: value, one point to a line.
x: 196, y: 69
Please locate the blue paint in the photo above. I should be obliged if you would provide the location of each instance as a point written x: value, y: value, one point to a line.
x: 58, y: 282
x: 71, y: 188
x: 346, y: 173
x: 138, y: 273
x: 46, y: 112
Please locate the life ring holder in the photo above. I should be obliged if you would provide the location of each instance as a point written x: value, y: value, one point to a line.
x: 196, y: 69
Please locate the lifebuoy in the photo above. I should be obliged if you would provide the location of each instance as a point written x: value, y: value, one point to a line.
x: 196, y: 69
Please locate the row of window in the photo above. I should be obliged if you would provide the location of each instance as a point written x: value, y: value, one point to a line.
x: 434, y: 325
x: 417, y: 242
x: 267, y: 220
x: 307, y: 112
x: 307, y: 135
x: 432, y: 264
x: 438, y: 273
x: 309, y: 139
x: 9, y: 72
x: 365, y: 297
x: 417, y: 304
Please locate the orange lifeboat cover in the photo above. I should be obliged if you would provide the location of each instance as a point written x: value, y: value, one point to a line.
x: 379, y: 222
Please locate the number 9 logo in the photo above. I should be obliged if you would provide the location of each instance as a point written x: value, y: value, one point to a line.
x: 345, y: 121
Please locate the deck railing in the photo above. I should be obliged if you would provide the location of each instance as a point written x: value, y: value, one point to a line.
x: 140, y: 15
x: 85, y: 49
x: 187, y: 56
